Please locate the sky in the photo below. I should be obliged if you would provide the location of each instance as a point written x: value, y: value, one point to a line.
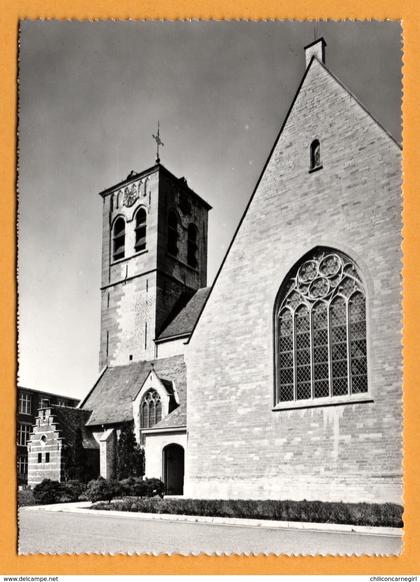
x: 90, y: 96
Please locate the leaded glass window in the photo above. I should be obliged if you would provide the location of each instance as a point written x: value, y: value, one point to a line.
x: 320, y: 330
x: 357, y: 332
x: 303, y: 353
x: 150, y: 409
x: 320, y: 350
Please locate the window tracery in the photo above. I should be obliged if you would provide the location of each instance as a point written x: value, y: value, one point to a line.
x: 150, y: 409
x: 320, y: 330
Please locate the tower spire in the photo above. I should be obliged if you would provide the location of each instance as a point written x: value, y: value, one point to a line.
x: 159, y: 142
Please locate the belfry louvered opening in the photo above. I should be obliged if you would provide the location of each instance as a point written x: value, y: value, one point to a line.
x: 140, y: 230
x: 192, y: 246
x: 320, y: 330
x: 173, y: 233
x: 118, y: 239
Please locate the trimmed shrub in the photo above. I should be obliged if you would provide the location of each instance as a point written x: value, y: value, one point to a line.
x: 127, y: 485
x: 72, y: 490
x: 26, y: 497
x: 153, y: 487
x: 102, y: 490
x: 47, y: 492
x: 138, y: 487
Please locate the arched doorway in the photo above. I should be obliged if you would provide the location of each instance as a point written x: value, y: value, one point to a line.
x: 173, y: 469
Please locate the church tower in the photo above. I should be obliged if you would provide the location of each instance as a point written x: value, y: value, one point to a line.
x: 154, y: 258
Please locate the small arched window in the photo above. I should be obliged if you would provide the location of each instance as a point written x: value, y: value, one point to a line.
x: 192, y: 246
x: 150, y: 409
x: 140, y: 230
x: 315, y: 155
x: 118, y: 239
x: 320, y: 330
x: 173, y: 233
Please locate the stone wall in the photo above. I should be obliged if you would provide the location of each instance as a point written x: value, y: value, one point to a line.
x: 171, y: 348
x: 154, y: 443
x: 140, y: 291
x: 128, y: 286
x: 107, y: 453
x: 238, y: 446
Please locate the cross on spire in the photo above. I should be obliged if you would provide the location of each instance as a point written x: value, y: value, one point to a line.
x: 159, y: 142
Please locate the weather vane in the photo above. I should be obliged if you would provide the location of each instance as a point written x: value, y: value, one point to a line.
x: 159, y: 142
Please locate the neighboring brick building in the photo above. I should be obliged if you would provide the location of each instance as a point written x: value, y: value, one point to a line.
x: 29, y: 401
x: 51, y: 450
x: 293, y: 358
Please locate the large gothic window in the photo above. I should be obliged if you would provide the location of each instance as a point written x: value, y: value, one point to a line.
x: 150, y: 409
x: 118, y: 239
x: 320, y: 330
x: 140, y: 230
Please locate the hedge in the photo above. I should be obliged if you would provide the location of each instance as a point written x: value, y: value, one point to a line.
x: 368, y: 514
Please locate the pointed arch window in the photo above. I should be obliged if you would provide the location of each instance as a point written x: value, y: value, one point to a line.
x: 150, y: 409
x: 192, y: 246
x: 315, y: 155
x: 320, y: 330
x: 140, y: 230
x: 118, y: 239
x: 173, y: 233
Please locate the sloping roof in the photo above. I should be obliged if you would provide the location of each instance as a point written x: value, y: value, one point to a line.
x: 176, y: 418
x: 111, y: 399
x: 68, y: 420
x: 184, y: 322
x: 75, y: 400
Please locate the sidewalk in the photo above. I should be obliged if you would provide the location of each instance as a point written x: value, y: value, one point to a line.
x: 83, y: 507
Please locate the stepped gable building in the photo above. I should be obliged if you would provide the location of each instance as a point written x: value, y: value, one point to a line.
x: 54, y: 441
x: 293, y: 358
x: 29, y: 401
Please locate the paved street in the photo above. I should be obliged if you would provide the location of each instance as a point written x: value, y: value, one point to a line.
x: 59, y: 532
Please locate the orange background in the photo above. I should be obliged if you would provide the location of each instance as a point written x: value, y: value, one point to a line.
x: 11, y: 12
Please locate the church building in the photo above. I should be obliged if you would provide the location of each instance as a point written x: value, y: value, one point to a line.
x: 284, y: 379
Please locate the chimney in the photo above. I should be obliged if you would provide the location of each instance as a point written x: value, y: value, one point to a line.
x: 315, y: 49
